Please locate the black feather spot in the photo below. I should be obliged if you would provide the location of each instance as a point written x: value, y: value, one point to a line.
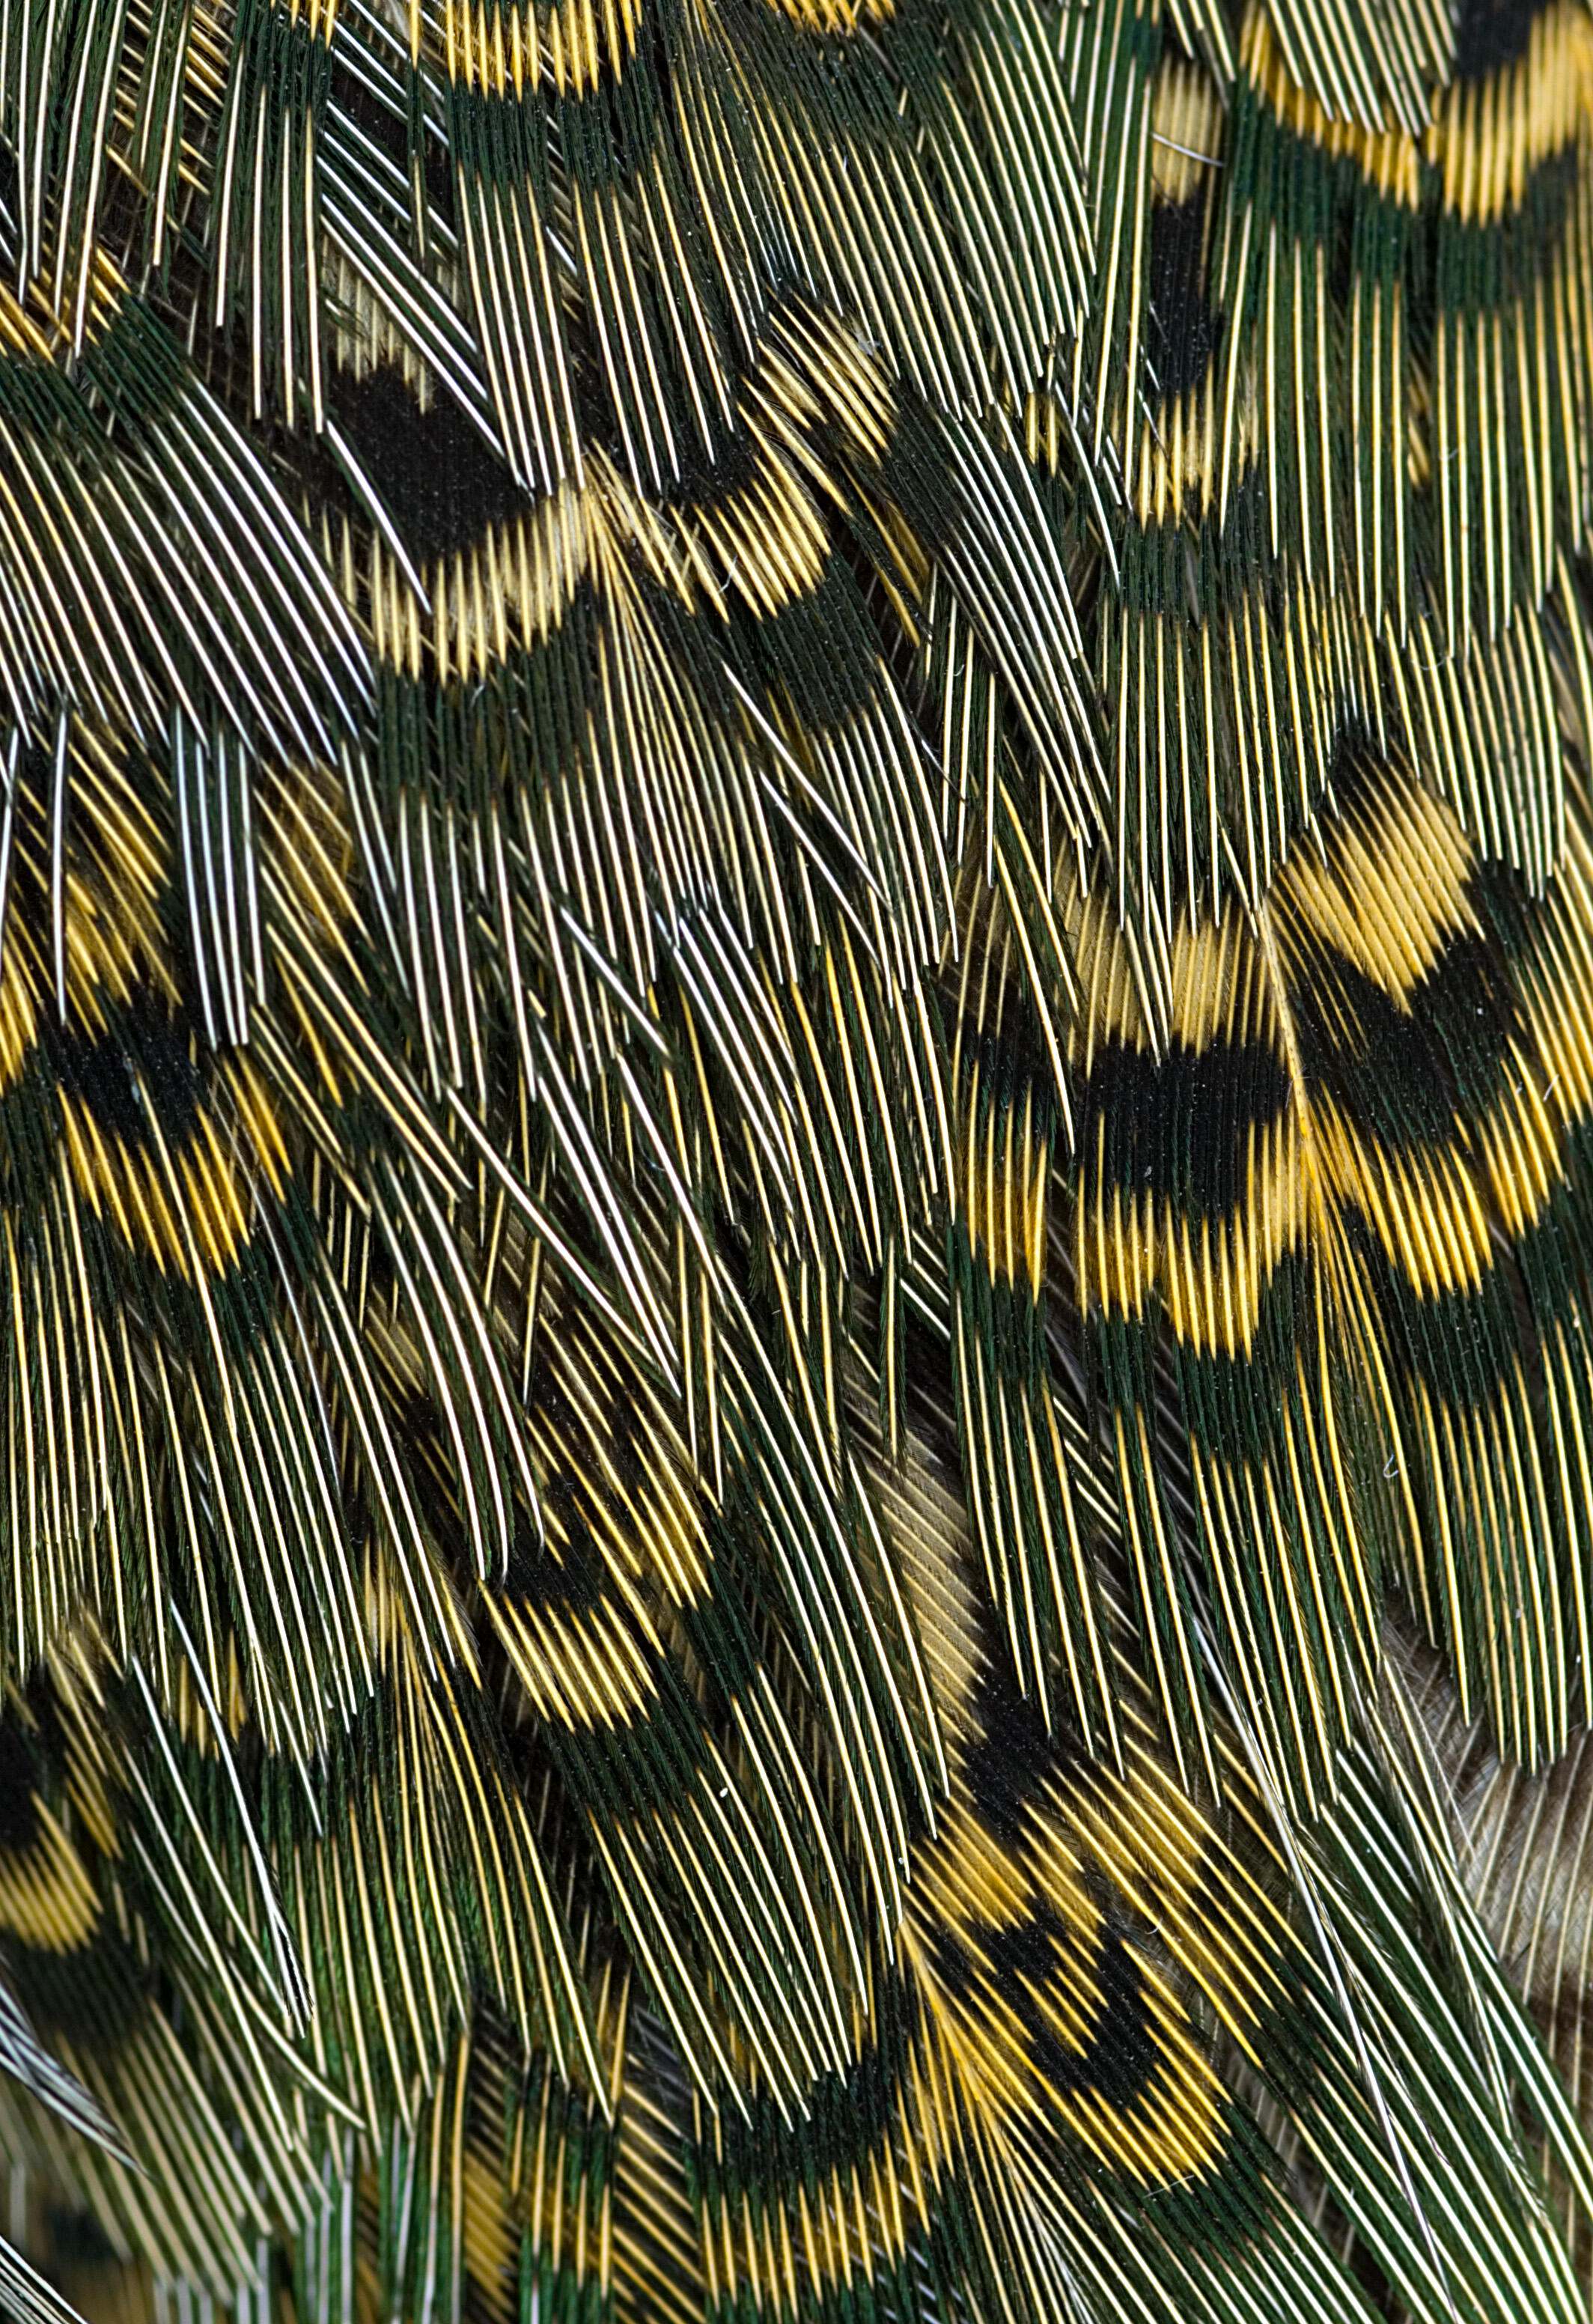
x: 954, y: 1963
x: 1405, y: 1072
x: 1180, y: 1126
x: 1490, y: 34
x: 710, y: 483
x: 1180, y: 332
x: 76, y: 2238
x: 94, y: 1995
x: 1118, y: 2059
x: 569, y: 1576
x: 1016, y: 1753
x: 19, y: 1813
x: 437, y: 481
x: 143, y: 1047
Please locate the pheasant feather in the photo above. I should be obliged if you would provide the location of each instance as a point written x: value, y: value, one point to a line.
x: 796, y: 1161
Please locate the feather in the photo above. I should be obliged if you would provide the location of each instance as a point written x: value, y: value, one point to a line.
x: 796, y: 1161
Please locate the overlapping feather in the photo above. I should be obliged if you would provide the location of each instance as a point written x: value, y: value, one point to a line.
x: 796, y: 1094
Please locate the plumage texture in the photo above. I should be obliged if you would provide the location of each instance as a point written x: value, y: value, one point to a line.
x: 796, y: 1161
